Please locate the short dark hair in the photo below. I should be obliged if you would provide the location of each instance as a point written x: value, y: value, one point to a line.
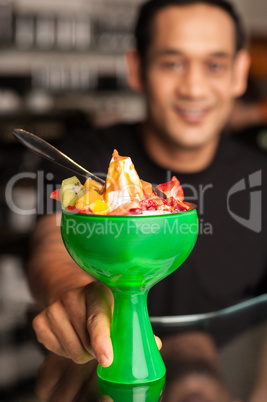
x: 149, y: 9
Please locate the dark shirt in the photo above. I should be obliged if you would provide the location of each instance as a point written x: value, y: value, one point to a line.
x: 229, y: 261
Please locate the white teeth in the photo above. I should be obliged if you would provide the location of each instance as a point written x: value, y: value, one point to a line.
x: 192, y: 111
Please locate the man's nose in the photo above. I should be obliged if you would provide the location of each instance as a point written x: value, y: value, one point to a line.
x: 193, y: 83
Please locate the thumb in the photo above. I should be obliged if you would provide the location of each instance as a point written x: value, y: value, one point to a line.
x: 99, y: 306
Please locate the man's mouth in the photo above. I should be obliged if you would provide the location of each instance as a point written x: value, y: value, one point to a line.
x: 192, y: 115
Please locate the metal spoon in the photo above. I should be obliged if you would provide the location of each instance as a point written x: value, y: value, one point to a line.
x: 48, y: 151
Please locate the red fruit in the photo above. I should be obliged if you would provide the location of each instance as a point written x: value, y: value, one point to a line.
x: 73, y: 209
x: 55, y: 195
x: 151, y: 204
x: 86, y: 212
x: 135, y: 211
x: 174, y: 204
x: 172, y: 188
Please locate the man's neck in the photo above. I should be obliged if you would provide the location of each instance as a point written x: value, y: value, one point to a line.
x: 176, y: 158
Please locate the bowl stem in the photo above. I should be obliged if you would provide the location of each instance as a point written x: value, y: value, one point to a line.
x: 137, y: 359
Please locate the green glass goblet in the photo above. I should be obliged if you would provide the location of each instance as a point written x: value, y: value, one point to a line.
x: 130, y: 254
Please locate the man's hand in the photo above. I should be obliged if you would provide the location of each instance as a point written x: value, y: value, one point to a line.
x: 76, y: 320
x: 77, y: 325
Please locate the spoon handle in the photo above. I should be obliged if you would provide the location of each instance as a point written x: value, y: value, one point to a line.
x: 48, y: 151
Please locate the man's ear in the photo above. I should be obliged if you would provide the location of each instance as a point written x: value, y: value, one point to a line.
x: 134, y: 74
x: 241, y: 70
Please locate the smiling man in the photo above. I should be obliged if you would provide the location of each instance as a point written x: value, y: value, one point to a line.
x: 190, y: 63
x: 190, y: 73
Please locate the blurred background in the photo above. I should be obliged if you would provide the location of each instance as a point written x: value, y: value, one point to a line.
x: 62, y: 65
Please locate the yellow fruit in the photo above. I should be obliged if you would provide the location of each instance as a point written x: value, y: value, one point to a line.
x: 91, y: 184
x: 99, y: 207
x: 87, y: 199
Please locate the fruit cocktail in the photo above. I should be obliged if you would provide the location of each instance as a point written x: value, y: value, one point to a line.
x: 130, y: 252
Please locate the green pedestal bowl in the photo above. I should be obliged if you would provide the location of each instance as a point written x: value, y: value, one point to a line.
x: 130, y: 254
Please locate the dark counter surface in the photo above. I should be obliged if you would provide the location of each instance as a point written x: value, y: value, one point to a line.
x: 29, y: 373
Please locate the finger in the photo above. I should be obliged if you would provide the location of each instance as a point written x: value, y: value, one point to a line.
x: 74, y: 304
x: 158, y: 342
x: 99, y: 309
x: 66, y: 334
x: 45, y: 336
x: 105, y: 398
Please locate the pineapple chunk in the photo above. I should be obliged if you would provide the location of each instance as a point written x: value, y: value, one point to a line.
x: 87, y: 199
x: 99, y: 207
x: 91, y: 184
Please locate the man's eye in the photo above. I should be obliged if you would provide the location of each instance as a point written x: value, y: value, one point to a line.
x: 171, y: 65
x: 216, y: 67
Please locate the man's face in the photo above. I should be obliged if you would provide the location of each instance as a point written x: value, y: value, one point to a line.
x: 190, y: 76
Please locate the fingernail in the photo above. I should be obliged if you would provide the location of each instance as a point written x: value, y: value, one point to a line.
x: 103, y: 360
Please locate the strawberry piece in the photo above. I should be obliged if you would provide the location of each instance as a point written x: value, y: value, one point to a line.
x: 172, y: 188
x: 55, y: 195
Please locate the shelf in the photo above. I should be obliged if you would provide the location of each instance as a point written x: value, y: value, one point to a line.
x: 15, y: 62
